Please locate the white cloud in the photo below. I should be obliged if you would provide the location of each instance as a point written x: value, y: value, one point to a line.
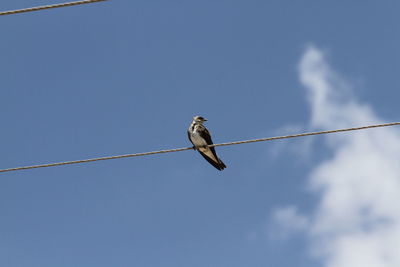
x: 302, y: 147
x: 287, y: 221
x: 357, y: 219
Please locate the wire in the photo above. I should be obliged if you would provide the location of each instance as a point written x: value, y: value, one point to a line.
x: 30, y: 9
x: 308, y: 134
x: 189, y: 148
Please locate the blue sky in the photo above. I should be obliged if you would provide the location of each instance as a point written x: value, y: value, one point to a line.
x: 127, y: 76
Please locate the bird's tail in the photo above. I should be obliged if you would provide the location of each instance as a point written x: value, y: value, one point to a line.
x: 221, y: 164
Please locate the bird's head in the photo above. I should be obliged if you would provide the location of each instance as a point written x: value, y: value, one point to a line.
x: 199, y: 119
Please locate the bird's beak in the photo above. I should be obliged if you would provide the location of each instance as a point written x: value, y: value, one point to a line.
x: 205, y: 120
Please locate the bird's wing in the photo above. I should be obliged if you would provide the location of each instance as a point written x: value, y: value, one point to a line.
x: 190, y: 139
x: 210, y: 151
x: 211, y: 157
x: 205, y: 134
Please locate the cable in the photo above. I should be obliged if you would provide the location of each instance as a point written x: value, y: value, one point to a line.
x: 30, y: 9
x: 189, y: 148
x: 308, y: 134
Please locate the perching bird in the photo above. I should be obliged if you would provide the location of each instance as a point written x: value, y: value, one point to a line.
x: 200, y: 138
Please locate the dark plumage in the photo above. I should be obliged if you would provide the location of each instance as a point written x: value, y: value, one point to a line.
x: 200, y: 137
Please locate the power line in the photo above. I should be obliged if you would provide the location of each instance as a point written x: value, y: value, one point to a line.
x: 30, y: 9
x: 189, y: 148
x: 308, y: 134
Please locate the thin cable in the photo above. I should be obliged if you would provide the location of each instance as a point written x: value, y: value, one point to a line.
x: 307, y: 134
x: 30, y: 9
x: 189, y: 148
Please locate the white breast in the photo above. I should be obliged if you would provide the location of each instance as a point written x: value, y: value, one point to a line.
x: 197, y: 139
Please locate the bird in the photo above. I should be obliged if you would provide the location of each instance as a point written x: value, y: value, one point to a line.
x: 200, y: 137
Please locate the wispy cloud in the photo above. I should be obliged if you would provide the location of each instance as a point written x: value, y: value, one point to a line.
x: 357, y: 219
x: 287, y: 221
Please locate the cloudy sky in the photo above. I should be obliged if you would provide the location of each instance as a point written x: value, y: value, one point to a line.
x: 127, y: 76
